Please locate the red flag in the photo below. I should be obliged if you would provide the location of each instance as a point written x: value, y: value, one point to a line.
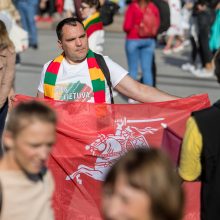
x: 171, y: 143
x: 89, y: 143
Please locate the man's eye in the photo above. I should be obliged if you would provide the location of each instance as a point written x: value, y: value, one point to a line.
x: 35, y: 145
x: 72, y: 39
x: 50, y: 145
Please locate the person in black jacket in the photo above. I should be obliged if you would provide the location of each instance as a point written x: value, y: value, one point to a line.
x: 200, y: 154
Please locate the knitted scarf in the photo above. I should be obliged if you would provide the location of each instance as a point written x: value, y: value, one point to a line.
x: 92, y: 24
x: 96, y: 75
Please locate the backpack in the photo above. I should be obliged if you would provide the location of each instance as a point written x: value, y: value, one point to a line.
x: 164, y: 11
x: 149, y: 25
x: 107, y: 12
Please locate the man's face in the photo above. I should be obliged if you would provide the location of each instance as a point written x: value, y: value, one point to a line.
x: 74, y: 43
x: 30, y: 148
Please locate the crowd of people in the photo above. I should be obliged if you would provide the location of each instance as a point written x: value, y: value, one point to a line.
x: 203, y: 19
x: 143, y: 184
x: 185, y: 22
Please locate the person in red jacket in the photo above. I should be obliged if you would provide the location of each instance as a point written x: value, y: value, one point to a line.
x: 139, y: 49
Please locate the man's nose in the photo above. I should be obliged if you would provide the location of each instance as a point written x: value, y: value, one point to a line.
x: 78, y: 42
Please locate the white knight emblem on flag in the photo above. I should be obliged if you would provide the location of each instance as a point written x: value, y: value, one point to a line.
x: 108, y: 148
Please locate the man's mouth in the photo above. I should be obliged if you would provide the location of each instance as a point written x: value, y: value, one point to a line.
x: 80, y: 50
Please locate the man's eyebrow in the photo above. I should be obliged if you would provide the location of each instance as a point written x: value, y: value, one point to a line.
x: 71, y: 39
x: 74, y: 38
x: 83, y: 35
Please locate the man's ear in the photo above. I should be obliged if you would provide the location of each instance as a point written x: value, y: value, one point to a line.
x: 8, y: 140
x: 60, y: 44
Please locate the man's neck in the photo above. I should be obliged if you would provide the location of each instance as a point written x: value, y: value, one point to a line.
x: 8, y: 163
x: 75, y: 62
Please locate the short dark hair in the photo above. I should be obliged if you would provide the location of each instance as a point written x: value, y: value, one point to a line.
x: 151, y: 171
x: 27, y: 112
x: 72, y: 21
x: 217, y: 65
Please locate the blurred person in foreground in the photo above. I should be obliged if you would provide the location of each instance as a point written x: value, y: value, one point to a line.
x: 200, y: 153
x: 7, y: 73
x: 26, y: 185
x: 142, y: 185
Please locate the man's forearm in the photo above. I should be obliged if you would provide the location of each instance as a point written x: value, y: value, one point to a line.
x: 141, y: 92
x: 151, y: 94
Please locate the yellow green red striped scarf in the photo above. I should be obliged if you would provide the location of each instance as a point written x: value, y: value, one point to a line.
x: 96, y: 75
x: 93, y: 23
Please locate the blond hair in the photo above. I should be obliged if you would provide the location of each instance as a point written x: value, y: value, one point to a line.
x: 5, y: 41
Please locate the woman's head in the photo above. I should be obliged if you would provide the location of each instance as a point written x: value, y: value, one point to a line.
x: 89, y: 7
x: 143, y: 185
x: 5, y: 41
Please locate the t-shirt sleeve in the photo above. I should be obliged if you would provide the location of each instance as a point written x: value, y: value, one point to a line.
x: 117, y: 73
x: 96, y: 41
x: 190, y: 165
x: 41, y: 84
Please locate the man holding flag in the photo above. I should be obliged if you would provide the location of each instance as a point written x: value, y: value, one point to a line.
x: 78, y: 75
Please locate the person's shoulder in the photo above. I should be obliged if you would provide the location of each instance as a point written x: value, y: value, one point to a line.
x: 204, y: 111
x: 47, y: 64
x: 8, y: 176
x: 191, y: 122
x: 112, y: 64
x: 109, y: 61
